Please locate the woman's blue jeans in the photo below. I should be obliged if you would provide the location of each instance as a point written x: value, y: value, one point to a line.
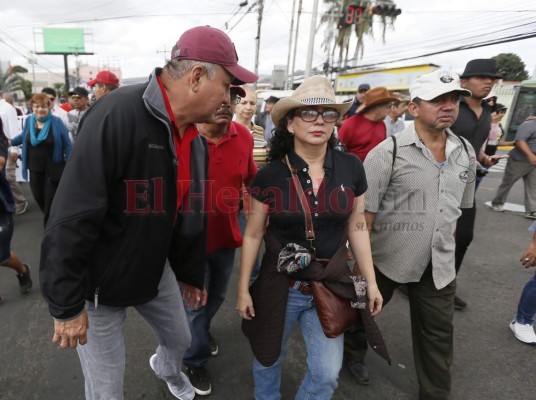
x: 527, y: 303
x: 324, y: 355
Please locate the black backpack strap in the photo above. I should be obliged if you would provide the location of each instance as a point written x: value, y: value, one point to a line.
x: 394, y: 151
x: 463, y: 143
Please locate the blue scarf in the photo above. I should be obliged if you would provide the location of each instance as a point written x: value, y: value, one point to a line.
x: 43, y: 134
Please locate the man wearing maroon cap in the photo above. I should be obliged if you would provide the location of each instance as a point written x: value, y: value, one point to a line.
x: 231, y: 167
x: 104, y: 82
x: 127, y: 221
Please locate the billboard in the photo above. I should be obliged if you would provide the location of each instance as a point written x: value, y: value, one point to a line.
x: 393, y: 78
x: 63, y: 40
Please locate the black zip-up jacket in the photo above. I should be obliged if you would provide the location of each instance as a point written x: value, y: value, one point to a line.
x: 114, y: 219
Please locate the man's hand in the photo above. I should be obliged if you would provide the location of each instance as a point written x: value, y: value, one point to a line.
x: 69, y: 333
x: 193, y: 296
x: 528, y: 259
x: 488, y: 161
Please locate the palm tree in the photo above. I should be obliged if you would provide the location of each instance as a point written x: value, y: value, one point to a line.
x: 10, y: 81
x: 339, y: 33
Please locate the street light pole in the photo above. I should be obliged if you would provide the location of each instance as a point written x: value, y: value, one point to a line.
x: 287, y: 81
x: 312, y: 33
x: 258, y: 39
x: 295, y: 45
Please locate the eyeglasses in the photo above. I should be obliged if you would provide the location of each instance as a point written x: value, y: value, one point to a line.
x: 311, y: 115
x: 235, y: 99
x: 37, y: 106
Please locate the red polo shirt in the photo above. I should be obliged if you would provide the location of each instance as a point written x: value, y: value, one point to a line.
x: 360, y: 135
x: 182, y: 149
x: 230, y: 165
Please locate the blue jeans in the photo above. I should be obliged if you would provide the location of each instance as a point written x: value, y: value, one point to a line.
x: 103, y: 357
x: 217, y: 275
x: 527, y: 303
x: 324, y: 355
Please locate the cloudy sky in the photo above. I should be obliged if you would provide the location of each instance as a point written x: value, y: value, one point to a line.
x: 138, y: 35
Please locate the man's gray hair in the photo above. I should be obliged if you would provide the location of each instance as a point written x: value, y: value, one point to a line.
x: 6, y: 95
x: 178, y: 68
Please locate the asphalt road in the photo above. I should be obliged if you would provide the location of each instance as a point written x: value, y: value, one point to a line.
x: 489, y: 362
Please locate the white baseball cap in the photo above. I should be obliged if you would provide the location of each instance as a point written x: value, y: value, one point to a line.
x: 430, y: 86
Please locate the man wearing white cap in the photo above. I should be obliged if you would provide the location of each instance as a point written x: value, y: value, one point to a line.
x: 418, y: 181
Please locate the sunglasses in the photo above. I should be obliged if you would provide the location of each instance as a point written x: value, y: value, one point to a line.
x: 75, y: 96
x: 235, y: 99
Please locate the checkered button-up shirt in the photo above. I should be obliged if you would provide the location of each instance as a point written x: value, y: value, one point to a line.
x: 417, y: 202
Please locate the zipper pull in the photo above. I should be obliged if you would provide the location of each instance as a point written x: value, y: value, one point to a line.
x: 96, y: 298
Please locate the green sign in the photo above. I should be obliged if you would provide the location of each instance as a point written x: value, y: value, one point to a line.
x: 63, y: 40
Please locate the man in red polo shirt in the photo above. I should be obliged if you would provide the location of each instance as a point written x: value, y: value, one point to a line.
x: 366, y: 129
x: 231, y: 167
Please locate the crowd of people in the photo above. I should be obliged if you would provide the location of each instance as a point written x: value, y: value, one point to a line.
x: 148, y: 192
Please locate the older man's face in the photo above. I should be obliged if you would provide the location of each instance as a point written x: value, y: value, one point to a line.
x: 437, y: 114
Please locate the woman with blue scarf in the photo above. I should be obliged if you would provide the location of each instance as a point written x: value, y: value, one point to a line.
x: 46, y: 146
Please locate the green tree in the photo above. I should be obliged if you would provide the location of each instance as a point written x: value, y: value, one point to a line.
x: 10, y: 80
x: 338, y: 34
x: 511, y: 67
x: 27, y: 88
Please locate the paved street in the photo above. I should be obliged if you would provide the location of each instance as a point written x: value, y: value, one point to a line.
x: 489, y: 362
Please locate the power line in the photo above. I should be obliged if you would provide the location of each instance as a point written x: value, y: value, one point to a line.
x: 508, y: 39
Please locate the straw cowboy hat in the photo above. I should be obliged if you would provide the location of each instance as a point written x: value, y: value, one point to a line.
x: 314, y: 91
x: 376, y: 96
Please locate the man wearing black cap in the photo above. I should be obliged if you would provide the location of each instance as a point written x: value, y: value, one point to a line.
x: 474, y: 124
x: 80, y: 98
x: 358, y: 99
x: 128, y: 218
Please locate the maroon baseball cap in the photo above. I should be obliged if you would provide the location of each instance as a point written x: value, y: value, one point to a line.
x: 106, y: 77
x: 204, y: 43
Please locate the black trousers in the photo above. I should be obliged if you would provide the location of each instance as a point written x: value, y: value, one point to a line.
x: 43, y: 190
x: 432, y: 331
x: 464, y: 234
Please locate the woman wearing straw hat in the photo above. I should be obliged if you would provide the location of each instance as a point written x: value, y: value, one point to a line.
x: 333, y: 183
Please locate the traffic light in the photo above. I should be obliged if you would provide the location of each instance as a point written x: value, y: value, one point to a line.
x: 353, y: 13
x: 386, y: 10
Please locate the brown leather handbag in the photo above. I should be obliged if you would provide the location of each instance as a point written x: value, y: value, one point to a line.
x: 336, y: 315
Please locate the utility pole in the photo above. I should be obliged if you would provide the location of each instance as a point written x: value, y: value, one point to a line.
x: 312, y: 33
x: 258, y: 39
x: 290, y: 46
x: 295, y: 45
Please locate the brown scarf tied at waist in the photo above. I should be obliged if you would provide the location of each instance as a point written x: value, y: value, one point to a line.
x: 270, y: 293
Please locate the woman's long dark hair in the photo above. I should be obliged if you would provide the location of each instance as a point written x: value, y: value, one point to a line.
x: 282, y: 142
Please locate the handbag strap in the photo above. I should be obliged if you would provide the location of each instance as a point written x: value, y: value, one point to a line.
x: 309, y: 228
